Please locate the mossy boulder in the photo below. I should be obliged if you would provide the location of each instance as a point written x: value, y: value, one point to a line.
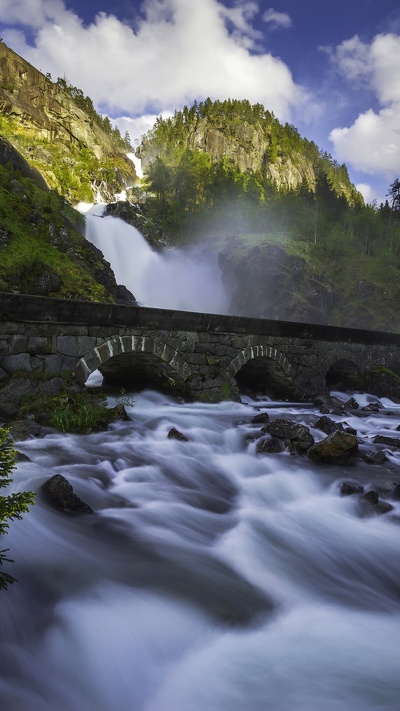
x: 338, y: 448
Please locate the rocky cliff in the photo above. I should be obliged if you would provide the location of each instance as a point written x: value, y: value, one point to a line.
x: 253, y: 139
x: 42, y: 247
x: 43, y: 120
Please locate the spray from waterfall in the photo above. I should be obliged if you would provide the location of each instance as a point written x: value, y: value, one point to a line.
x: 173, y: 279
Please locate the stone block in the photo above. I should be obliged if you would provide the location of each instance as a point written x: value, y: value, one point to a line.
x: 4, y: 348
x: 20, y: 361
x: 67, y: 345
x: 85, y: 344
x: 37, y: 363
x: 52, y: 364
x: 213, y: 360
x: 18, y: 344
x: 92, y: 361
x: 196, y: 359
x: 68, y: 362
x: 38, y: 345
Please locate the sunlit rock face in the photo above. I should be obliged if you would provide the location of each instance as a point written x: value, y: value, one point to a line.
x: 59, y: 131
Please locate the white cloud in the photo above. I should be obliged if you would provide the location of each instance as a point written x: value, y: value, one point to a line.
x: 367, y: 191
x: 277, y: 20
x: 179, y: 50
x: 138, y: 126
x: 372, y: 142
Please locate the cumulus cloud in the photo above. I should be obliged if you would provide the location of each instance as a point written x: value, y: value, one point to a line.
x: 138, y: 126
x: 176, y: 51
x: 277, y: 20
x: 372, y: 142
x: 367, y: 191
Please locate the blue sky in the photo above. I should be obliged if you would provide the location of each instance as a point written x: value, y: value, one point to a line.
x: 330, y: 68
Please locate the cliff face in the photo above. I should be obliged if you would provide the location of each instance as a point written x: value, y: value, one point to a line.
x: 41, y: 120
x: 250, y: 149
x: 42, y: 247
x: 253, y: 139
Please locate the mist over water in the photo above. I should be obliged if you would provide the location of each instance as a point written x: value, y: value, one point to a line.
x: 186, y: 280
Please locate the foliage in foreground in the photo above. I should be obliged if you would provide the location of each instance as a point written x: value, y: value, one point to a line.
x: 12, y: 506
x: 79, y: 413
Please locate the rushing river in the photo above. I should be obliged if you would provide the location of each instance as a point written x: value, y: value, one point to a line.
x: 210, y: 578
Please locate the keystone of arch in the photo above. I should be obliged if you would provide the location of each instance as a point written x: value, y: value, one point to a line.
x: 116, y: 345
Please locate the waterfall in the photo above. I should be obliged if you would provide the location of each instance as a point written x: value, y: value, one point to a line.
x: 173, y: 279
x: 137, y: 163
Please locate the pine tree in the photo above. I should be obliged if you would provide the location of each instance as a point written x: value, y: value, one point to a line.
x: 13, y: 506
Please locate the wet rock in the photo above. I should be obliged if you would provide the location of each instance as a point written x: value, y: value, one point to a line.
x: 352, y: 404
x: 371, y: 499
x: 269, y: 445
x: 349, y: 488
x: 325, y: 424
x: 260, y: 419
x: 388, y: 441
x: 175, y: 434
x: 60, y: 494
x: 396, y: 492
x: 338, y: 448
x: 374, y: 457
x: 350, y: 430
x: 296, y: 437
x: 383, y: 507
x: 21, y: 457
x: 329, y: 403
x: 21, y: 430
x: 373, y: 406
x: 118, y: 413
x: 371, y: 496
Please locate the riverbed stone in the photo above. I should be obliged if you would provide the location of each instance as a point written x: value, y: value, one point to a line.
x: 59, y: 493
x: 325, y: 424
x: 350, y: 488
x: 175, y: 434
x: 269, y: 445
x: 297, y: 438
x: 337, y: 448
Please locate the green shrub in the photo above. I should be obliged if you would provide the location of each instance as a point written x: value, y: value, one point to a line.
x: 12, y: 506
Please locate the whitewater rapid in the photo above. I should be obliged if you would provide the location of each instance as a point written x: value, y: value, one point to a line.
x: 210, y: 578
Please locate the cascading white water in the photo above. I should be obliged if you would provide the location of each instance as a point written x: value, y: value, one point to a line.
x: 209, y: 579
x: 172, y: 279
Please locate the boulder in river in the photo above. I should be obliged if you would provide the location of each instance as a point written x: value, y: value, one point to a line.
x: 296, y: 437
x: 175, y: 434
x: 325, y: 424
x: 269, y: 445
x: 338, y: 448
x: 349, y: 488
x: 59, y: 493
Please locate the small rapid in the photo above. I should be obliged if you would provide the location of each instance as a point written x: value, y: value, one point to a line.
x: 210, y: 577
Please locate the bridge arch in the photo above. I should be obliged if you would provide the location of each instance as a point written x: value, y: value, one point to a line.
x: 343, y: 369
x: 139, y: 361
x: 264, y: 368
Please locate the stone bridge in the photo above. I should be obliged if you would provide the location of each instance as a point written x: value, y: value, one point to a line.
x: 199, y: 355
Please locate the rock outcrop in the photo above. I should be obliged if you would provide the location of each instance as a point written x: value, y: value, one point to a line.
x: 65, y: 144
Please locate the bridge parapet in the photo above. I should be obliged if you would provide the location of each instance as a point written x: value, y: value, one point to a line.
x: 203, y: 355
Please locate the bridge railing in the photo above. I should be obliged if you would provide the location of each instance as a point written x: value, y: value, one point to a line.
x: 42, y: 309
